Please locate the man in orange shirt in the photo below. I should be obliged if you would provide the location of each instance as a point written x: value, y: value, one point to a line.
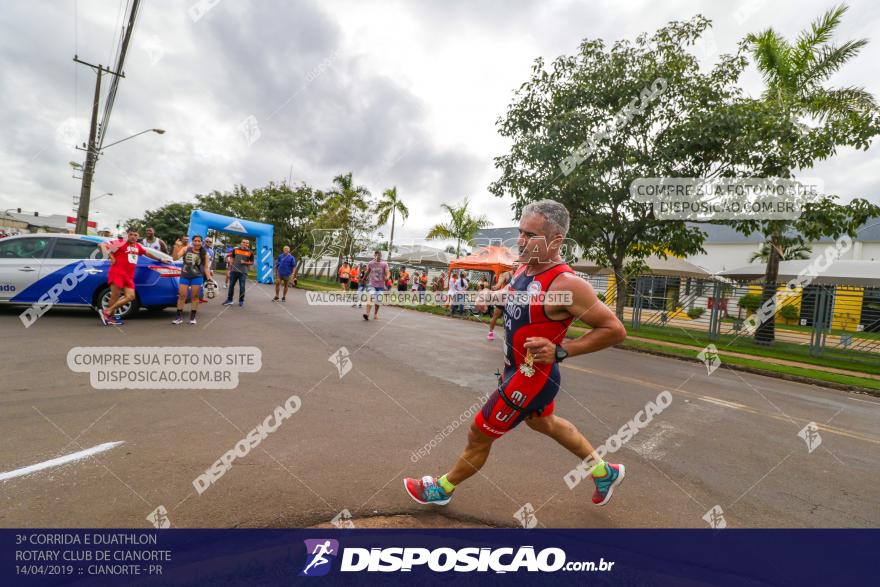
x: 402, y: 279
x: 354, y: 279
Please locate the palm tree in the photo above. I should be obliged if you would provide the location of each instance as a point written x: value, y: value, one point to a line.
x: 461, y: 226
x: 792, y: 250
x: 342, y: 205
x: 389, y: 205
x: 794, y: 75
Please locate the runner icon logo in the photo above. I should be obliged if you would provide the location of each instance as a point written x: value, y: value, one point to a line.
x: 715, y: 518
x: 318, y: 553
x: 159, y: 518
x: 343, y: 519
x: 342, y: 361
x: 526, y: 516
x: 710, y: 358
x: 810, y: 434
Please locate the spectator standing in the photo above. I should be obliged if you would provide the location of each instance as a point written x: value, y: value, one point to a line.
x: 402, y: 279
x: 242, y: 260
x: 284, y: 266
x: 457, y: 288
x: 151, y: 241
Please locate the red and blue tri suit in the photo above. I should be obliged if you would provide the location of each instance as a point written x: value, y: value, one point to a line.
x: 527, y: 388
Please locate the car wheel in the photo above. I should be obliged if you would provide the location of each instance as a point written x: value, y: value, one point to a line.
x: 126, y: 311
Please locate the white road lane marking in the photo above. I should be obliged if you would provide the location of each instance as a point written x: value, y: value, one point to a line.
x: 83, y: 454
x: 864, y: 401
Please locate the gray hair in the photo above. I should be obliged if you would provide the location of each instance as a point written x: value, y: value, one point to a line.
x: 555, y: 215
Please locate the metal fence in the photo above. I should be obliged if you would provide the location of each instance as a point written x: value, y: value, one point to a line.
x: 817, y: 320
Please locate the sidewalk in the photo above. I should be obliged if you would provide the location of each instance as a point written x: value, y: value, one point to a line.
x: 785, y: 362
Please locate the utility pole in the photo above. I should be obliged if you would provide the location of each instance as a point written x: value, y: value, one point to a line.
x: 82, y: 214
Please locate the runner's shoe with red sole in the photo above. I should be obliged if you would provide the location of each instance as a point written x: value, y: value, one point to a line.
x: 426, y: 491
x: 605, y: 485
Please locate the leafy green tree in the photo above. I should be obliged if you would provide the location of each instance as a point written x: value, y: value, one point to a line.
x: 346, y: 210
x: 810, y: 122
x: 292, y: 211
x: 461, y: 226
x: 390, y: 204
x: 584, y: 128
x: 170, y: 221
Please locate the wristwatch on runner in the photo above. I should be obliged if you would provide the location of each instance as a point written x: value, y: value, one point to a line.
x: 561, y: 353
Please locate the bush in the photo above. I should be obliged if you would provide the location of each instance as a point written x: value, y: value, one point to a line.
x: 750, y: 302
x: 789, y: 312
x: 695, y: 313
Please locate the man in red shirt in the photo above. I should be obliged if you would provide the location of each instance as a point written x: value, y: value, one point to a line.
x: 123, y: 256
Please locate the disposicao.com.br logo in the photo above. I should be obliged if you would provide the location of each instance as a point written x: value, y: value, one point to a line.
x: 441, y: 560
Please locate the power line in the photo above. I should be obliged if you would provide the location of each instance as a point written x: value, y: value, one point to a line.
x: 114, y: 46
x: 117, y: 66
x: 96, y: 135
x: 75, y: 52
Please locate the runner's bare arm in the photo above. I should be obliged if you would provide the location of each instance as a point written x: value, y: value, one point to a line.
x: 487, y: 297
x: 585, y: 306
x: 153, y: 255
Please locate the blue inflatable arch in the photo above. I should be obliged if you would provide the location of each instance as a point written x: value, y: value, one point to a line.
x: 200, y: 221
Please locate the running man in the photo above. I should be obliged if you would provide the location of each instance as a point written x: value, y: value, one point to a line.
x: 284, y: 266
x: 501, y: 284
x: 195, y: 271
x: 242, y: 259
x: 123, y: 256
x: 376, y: 276
x: 320, y: 559
x: 535, y: 344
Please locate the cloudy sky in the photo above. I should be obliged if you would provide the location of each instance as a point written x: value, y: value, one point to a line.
x: 401, y: 93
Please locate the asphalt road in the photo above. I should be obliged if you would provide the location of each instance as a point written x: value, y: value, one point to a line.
x: 728, y: 439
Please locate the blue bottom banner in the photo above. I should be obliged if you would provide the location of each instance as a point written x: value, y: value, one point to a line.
x: 451, y: 557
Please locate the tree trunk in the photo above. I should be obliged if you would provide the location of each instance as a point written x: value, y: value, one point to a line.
x: 391, y: 240
x: 766, y: 332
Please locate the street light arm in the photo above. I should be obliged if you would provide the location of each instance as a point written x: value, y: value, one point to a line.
x: 155, y: 130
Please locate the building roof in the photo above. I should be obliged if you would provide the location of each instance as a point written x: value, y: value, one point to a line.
x: 839, y: 272
x: 496, y: 236
x: 724, y: 234
x: 56, y: 221
x: 669, y: 267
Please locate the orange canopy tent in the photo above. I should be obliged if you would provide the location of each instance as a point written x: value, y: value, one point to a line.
x: 492, y: 258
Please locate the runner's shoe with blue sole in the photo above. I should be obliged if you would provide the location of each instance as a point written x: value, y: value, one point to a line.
x: 426, y: 491
x: 605, y: 485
